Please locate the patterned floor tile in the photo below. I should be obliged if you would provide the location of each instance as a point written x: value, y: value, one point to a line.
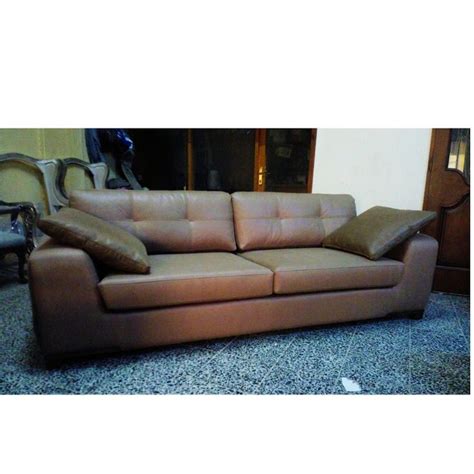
x: 241, y: 367
x: 461, y: 307
x: 378, y: 358
x: 310, y: 363
x: 440, y: 362
x: 440, y: 374
x: 156, y: 372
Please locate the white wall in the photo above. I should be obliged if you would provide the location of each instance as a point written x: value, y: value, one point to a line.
x: 384, y: 167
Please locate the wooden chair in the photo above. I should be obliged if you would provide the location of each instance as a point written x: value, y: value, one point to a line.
x: 54, y: 172
x: 14, y: 241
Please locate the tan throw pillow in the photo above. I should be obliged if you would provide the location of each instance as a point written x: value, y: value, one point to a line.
x: 374, y: 232
x: 103, y: 241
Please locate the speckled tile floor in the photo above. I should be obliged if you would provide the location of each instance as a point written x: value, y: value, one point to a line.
x: 391, y: 356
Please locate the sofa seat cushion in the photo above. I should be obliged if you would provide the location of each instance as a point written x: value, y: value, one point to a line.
x: 177, y: 279
x: 308, y: 270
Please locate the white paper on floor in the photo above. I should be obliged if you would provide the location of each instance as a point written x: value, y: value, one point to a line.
x: 350, y: 385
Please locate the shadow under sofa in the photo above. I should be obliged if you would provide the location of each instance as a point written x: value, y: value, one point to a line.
x: 221, y: 265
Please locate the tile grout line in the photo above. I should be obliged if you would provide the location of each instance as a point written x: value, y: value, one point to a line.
x: 459, y: 324
x: 343, y: 361
x: 189, y: 377
x: 208, y: 361
x: 299, y: 371
x: 276, y: 362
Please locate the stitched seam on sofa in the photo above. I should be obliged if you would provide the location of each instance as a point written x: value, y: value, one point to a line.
x: 373, y: 286
x: 179, y: 220
x: 98, y: 244
x: 295, y: 217
x: 339, y: 268
x: 183, y: 278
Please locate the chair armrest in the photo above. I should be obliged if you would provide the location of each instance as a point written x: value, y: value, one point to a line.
x: 29, y: 216
x: 419, y: 254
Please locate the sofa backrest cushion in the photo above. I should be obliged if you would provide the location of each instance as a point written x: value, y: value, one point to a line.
x: 275, y: 220
x: 165, y: 221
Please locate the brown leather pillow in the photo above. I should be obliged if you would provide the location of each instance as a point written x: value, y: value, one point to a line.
x: 103, y: 241
x: 374, y: 232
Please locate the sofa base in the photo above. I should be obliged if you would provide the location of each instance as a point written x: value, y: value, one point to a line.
x: 54, y: 361
x: 124, y: 331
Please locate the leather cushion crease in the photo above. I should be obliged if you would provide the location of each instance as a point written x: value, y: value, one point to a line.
x: 103, y: 241
x: 378, y: 230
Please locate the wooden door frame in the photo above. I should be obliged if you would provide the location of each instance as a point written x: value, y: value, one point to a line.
x: 427, y: 199
x: 448, y: 278
x: 312, y: 156
x: 260, y: 159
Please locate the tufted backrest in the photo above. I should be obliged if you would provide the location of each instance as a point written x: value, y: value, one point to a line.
x: 165, y: 221
x: 275, y: 220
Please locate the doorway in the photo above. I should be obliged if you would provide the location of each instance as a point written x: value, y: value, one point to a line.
x: 284, y: 160
x: 160, y: 157
x: 225, y: 159
x: 448, y: 193
x: 221, y: 159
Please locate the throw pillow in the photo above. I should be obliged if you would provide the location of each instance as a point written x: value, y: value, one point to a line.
x: 103, y: 241
x: 374, y: 232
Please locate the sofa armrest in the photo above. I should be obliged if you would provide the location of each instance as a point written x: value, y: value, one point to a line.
x: 419, y: 255
x: 66, y: 302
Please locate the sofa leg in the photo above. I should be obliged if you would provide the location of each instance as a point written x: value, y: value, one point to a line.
x: 416, y: 315
x: 52, y: 362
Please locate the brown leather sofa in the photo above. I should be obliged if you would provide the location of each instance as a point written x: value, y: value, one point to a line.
x: 221, y: 265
